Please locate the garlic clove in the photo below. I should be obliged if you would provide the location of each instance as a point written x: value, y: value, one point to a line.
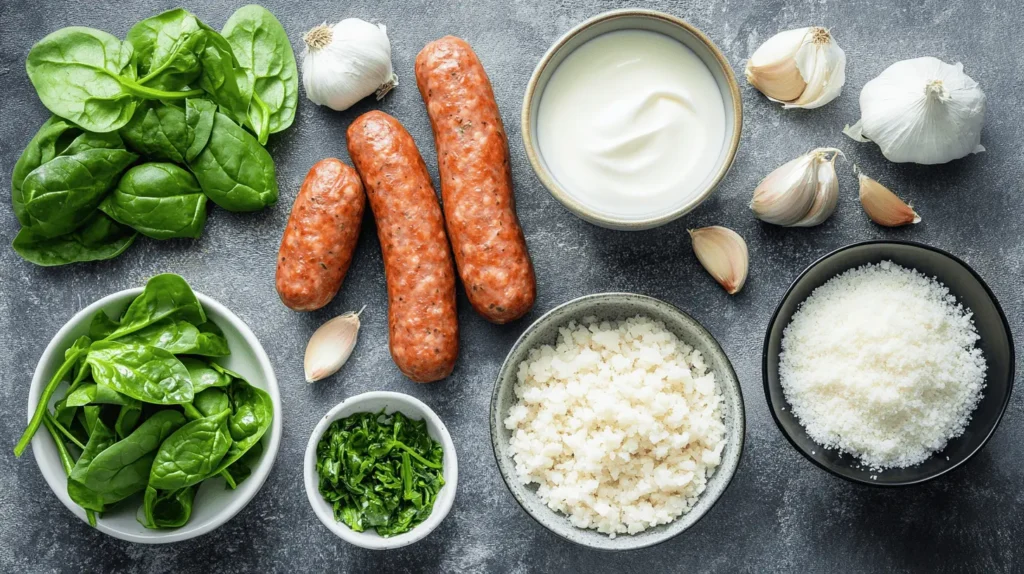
x: 786, y: 195
x: 331, y: 346
x: 822, y: 63
x: 883, y: 206
x: 723, y: 253
x: 772, y: 68
x: 827, y: 197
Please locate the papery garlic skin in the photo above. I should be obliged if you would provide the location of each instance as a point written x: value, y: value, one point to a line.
x: 922, y: 111
x: 723, y: 254
x: 347, y: 62
x: 801, y: 68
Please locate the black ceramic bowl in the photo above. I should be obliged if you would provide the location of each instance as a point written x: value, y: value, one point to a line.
x: 996, y: 343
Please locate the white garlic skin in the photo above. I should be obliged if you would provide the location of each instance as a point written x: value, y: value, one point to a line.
x: 801, y: 68
x: 923, y: 111
x: 354, y: 63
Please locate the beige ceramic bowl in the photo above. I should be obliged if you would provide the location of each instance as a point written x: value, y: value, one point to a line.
x: 633, y: 19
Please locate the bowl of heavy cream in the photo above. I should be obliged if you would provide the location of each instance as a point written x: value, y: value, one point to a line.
x: 632, y: 118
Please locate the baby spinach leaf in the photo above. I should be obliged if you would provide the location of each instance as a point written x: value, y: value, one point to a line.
x: 49, y: 141
x: 160, y: 200
x: 242, y: 468
x: 149, y: 374
x: 127, y: 419
x: 203, y: 375
x: 169, y: 334
x: 60, y: 195
x: 157, y: 131
x: 93, y: 394
x: 251, y: 414
x: 101, y: 326
x: 78, y: 72
x: 65, y: 459
x: 211, y: 401
x: 222, y: 77
x: 99, y: 238
x: 234, y: 170
x: 170, y: 509
x: 190, y: 454
x: 212, y: 342
x: 165, y: 295
x: 165, y: 47
x: 123, y: 468
x: 100, y: 439
x: 79, y: 348
x: 199, y: 115
x: 261, y: 46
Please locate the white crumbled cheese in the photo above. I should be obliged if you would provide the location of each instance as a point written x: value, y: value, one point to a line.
x: 619, y: 424
x: 880, y: 362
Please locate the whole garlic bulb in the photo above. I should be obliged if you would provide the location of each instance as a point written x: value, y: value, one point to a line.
x: 346, y: 62
x: 923, y: 111
x: 802, y: 68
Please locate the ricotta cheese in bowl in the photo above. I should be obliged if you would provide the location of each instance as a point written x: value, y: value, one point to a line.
x: 620, y: 424
x: 617, y: 421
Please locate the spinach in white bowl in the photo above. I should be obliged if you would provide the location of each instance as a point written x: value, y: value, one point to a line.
x: 154, y: 413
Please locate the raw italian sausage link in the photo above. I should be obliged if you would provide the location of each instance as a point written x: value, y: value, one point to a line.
x: 423, y: 324
x: 476, y: 181
x: 321, y: 235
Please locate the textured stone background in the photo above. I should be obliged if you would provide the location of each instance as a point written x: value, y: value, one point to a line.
x: 781, y: 513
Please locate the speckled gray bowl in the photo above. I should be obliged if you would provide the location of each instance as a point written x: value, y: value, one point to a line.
x: 617, y: 306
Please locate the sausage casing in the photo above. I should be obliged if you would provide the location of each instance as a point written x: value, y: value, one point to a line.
x: 422, y: 320
x: 476, y: 181
x: 320, y: 237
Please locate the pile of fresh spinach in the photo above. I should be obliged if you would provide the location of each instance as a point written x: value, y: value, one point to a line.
x: 148, y: 410
x: 146, y: 130
x: 379, y: 471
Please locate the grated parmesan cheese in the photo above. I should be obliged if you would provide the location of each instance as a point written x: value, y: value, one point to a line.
x: 880, y: 362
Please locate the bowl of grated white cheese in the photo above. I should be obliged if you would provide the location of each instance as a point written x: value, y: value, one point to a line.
x: 617, y: 421
x: 888, y: 363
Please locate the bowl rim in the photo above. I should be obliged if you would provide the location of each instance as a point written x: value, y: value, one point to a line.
x: 740, y: 417
x: 442, y: 505
x: 789, y: 293
x: 252, y: 485
x: 578, y: 208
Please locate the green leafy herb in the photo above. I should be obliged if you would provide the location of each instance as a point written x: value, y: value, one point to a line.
x: 157, y: 131
x: 379, y: 471
x: 233, y: 169
x: 166, y: 295
x: 109, y: 97
x: 99, y: 238
x: 261, y: 46
x: 191, y: 454
x: 159, y: 200
x: 149, y: 374
x: 60, y: 195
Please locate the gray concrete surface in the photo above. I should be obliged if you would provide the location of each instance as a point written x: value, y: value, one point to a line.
x: 781, y: 513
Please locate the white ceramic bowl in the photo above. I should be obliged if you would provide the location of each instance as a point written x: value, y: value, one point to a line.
x: 214, y: 504
x: 613, y: 306
x: 633, y: 19
x: 390, y: 402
